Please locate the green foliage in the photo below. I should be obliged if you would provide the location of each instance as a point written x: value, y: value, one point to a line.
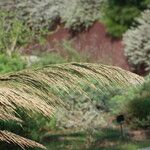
x: 49, y: 58
x: 11, y: 63
x: 86, y: 113
x: 137, y: 44
x: 135, y: 105
x: 139, y: 107
x: 67, y: 54
x: 119, y: 15
x: 33, y: 127
x: 139, y: 111
x: 82, y: 115
x: 80, y: 14
x: 13, y: 33
x: 76, y: 15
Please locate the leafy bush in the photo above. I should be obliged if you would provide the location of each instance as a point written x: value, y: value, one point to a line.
x: 137, y: 43
x: 81, y: 115
x: 119, y: 15
x: 33, y: 127
x: 13, y: 33
x: 48, y: 58
x: 139, y: 112
x: 11, y: 63
x: 80, y: 14
x: 135, y: 105
x: 86, y: 113
x: 46, y: 14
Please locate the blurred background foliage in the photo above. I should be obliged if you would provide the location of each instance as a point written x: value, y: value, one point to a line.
x: 137, y: 43
x: 119, y: 15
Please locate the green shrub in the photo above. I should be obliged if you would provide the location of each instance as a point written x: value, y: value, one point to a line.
x: 11, y: 63
x: 80, y: 14
x: 135, y: 105
x: 86, y: 113
x: 13, y: 33
x: 75, y: 14
x: 137, y: 44
x: 66, y: 54
x: 139, y: 112
x: 33, y: 127
x: 82, y: 115
x: 49, y: 58
x: 119, y: 15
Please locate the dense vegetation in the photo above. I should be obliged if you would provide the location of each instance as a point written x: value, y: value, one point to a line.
x: 94, y: 94
x: 76, y: 15
x: 137, y: 43
x: 119, y: 15
x: 134, y: 104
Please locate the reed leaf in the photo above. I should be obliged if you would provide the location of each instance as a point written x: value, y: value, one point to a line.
x: 39, y: 90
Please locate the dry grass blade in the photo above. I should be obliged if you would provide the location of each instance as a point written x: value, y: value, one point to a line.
x: 9, y: 137
x: 39, y: 90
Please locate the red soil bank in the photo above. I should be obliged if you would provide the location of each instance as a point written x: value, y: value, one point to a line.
x: 95, y: 42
